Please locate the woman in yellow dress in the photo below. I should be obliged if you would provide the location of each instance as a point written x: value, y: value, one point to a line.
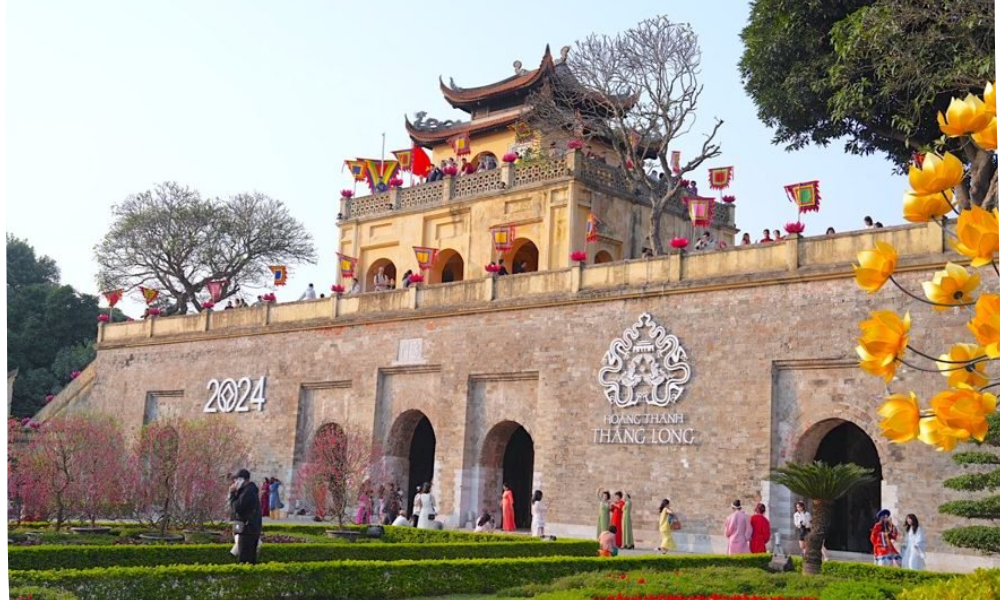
x: 667, y: 520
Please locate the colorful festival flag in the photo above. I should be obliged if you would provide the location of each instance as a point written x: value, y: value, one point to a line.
x: 357, y: 168
x: 347, y: 265
x: 805, y: 195
x: 425, y: 256
x: 461, y: 144
x: 113, y: 296
x: 719, y: 179
x: 503, y: 238
x: 405, y: 159
x: 701, y: 210
x: 675, y: 161
x: 280, y: 273
x: 215, y: 289
x: 379, y: 173
x: 522, y: 131
x: 149, y: 294
x: 592, y: 222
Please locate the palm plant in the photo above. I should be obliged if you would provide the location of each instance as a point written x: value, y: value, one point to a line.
x: 824, y: 484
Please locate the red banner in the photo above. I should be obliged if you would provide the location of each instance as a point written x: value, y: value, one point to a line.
x: 719, y: 179
x: 425, y: 256
x: 280, y: 273
x: 215, y: 289
x: 701, y: 210
x: 592, y: 222
x: 805, y: 195
x: 405, y: 158
x: 348, y: 264
x: 357, y: 168
x: 461, y: 144
x: 149, y: 294
x: 113, y: 297
x: 675, y: 161
x: 421, y: 162
x: 503, y: 239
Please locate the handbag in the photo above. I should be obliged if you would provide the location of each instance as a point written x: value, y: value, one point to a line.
x: 238, y: 526
x: 675, y: 523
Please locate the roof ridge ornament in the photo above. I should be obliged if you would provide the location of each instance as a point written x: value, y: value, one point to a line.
x: 519, y: 68
x: 564, y: 54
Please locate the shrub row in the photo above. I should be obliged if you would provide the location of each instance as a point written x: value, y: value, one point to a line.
x: 870, y: 572
x: 983, y: 584
x: 356, y: 580
x: 87, y: 557
x: 39, y: 593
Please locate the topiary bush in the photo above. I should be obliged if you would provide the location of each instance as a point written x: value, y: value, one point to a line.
x: 859, y: 590
x: 983, y: 584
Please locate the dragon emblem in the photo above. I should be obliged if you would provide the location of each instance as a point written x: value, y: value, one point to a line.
x: 645, y: 365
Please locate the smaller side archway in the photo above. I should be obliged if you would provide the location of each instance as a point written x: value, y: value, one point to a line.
x: 388, y: 267
x: 449, y: 267
x: 523, y: 251
x: 508, y: 456
x: 488, y: 158
x: 603, y: 257
x: 410, y: 450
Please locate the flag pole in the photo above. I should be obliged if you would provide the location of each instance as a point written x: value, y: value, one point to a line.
x: 381, y: 164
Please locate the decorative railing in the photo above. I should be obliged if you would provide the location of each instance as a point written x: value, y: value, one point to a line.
x: 604, y: 175
x: 538, y: 171
x: 416, y: 196
x: 478, y: 183
x: 367, y: 206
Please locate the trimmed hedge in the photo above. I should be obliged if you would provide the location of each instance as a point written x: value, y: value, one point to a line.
x: 984, y: 538
x: 874, y: 573
x: 87, y: 557
x: 983, y: 584
x: 400, y: 535
x: 40, y: 593
x: 859, y: 590
x: 347, y: 579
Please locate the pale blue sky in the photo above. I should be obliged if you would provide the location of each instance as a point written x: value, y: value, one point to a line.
x: 107, y: 98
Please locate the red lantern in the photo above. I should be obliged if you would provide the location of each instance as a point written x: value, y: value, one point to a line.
x: 679, y: 243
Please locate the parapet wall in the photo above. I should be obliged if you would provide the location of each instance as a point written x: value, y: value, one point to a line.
x: 794, y: 259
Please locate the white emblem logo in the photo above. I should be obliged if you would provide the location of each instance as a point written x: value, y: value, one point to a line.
x: 646, y: 365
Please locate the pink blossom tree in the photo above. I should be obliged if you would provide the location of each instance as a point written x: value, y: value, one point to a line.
x: 342, y: 463
x: 154, y: 471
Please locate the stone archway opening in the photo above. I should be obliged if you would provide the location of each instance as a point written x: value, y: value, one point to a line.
x: 487, y: 158
x: 523, y: 251
x: 449, y: 267
x: 836, y: 441
x: 389, y: 268
x: 509, y: 457
x: 411, y: 448
x: 603, y: 257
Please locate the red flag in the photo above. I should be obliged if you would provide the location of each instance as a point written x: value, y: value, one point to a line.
x: 421, y: 162
x: 718, y: 179
x: 113, y: 297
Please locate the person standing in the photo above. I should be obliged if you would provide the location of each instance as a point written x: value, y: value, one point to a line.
x: 363, y: 514
x: 738, y: 530
x: 761, y: 530
x: 667, y: 519
x: 381, y: 280
x: 309, y: 294
x: 508, y: 508
x: 603, y: 509
x: 628, y: 540
x: 803, y: 524
x: 915, y: 550
x: 617, y: 509
x: 503, y: 269
x: 883, y: 537
x: 424, y: 506
x: 276, y: 503
x: 265, y: 498
x: 537, y: 515
x: 244, y: 504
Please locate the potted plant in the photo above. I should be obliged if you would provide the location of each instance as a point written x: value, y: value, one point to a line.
x: 416, y: 278
x: 337, y: 289
x: 679, y: 243
x: 578, y: 256
x: 729, y: 199
x: 795, y: 227
x: 510, y: 158
x: 346, y: 194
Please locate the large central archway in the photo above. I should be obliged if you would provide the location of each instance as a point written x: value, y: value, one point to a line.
x: 837, y: 442
x: 411, y: 446
x: 509, y: 457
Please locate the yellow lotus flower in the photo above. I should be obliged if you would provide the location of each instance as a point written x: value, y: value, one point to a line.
x: 990, y: 98
x: 937, y: 174
x: 876, y: 266
x: 965, y: 409
x: 977, y: 235
x: 972, y: 374
x: 919, y: 208
x: 964, y: 116
x: 952, y: 286
x: 902, y: 418
x: 986, y: 138
x: 934, y: 432
x: 985, y: 325
x: 883, y: 340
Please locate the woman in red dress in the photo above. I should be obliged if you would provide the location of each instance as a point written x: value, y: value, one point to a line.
x: 616, y: 516
x: 761, y: 528
x: 508, y: 509
x: 265, y: 498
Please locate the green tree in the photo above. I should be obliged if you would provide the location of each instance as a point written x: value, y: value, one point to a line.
x: 24, y: 268
x: 823, y: 484
x: 985, y: 538
x: 874, y: 73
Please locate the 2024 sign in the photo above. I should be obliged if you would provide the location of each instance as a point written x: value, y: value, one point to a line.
x: 231, y: 395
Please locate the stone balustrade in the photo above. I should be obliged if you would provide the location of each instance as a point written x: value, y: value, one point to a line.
x: 507, y: 177
x: 794, y: 259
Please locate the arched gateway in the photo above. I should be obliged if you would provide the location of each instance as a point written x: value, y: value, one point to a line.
x: 410, y: 452
x: 509, y: 457
x: 836, y: 441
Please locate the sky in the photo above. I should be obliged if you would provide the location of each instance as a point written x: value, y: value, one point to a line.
x: 106, y: 99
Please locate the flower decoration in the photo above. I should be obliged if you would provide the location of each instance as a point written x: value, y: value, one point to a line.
x: 396, y: 182
x: 964, y: 116
x: 883, y: 340
x: 574, y: 144
x: 153, y: 312
x: 901, y: 418
x: 977, y: 233
x: 337, y: 288
x: 685, y: 183
x: 986, y: 138
x: 578, y: 256
x: 510, y: 157
x: 416, y: 278
x: 74, y: 374
x: 629, y: 164
x: 875, y: 267
x: 990, y: 98
x: 208, y: 304
x: 729, y: 199
x: 964, y: 411
x: 346, y: 193
x: 103, y: 318
x: 679, y: 243
x: 960, y: 367
x: 795, y: 227
x: 492, y: 268
x: 49, y: 398
x: 951, y: 287
x: 921, y: 208
x: 269, y: 297
x: 985, y: 325
x: 937, y: 174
